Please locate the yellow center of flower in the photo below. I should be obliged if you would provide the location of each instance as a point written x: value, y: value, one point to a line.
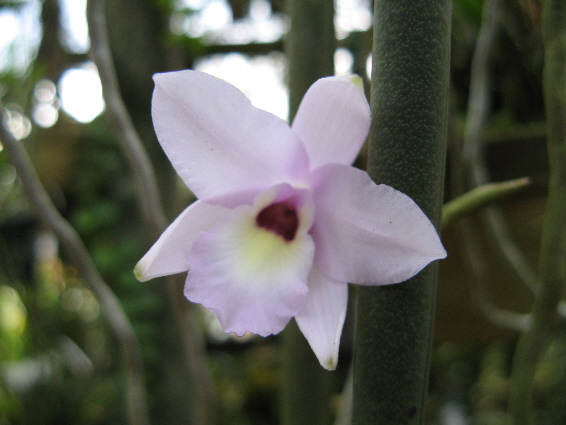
x: 271, y: 245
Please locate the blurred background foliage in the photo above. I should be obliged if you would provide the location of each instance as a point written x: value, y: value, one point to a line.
x: 58, y: 363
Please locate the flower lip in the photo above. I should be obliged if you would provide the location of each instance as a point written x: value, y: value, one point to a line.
x: 277, y: 207
x: 279, y: 218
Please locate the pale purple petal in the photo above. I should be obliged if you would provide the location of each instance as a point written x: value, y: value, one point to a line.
x: 169, y: 255
x: 217, y: 141
x: 369, y: 234
x: 333, y: 120
x: 322, y: 317
x: 250, y: 278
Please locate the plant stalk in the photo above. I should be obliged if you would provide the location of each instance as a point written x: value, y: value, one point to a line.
x: 409, y: 99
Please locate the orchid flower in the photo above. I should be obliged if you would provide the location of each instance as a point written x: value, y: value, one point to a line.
x: 282, y: 221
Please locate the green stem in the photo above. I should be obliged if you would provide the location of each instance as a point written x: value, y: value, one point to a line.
x: 309, y: 46
x: 553, y: 243
x: 480, y: 197
x: 407, y: 151
x: 306, y: 386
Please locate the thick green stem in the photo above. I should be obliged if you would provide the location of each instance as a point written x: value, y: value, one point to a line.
x: 553, y: 243
x: 305, y: 384
x: 310, y: 45
x: 407, y: 151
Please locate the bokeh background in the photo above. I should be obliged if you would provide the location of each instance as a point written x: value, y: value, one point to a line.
x: 59, y: 364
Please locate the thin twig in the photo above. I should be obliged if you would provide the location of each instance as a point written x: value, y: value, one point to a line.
x: 478, y: 109
x: 534, y: 341
x: 144, y: 175
x: 70, y: 240
x: 478, y: 198
x: 498, y: 316
x: 470, y: 159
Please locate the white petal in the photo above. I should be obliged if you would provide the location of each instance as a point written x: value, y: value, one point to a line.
x: 169, y: 255
x: 333, y: 120
x: 250, y: 278
x: 369, y: 234
x: 217, y: 141
x: 322, y: 317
